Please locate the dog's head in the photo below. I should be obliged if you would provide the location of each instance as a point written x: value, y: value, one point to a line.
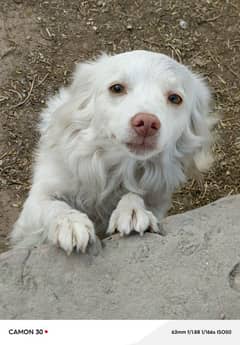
x: 144, y: 102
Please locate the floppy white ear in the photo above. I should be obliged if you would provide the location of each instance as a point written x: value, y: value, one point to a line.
x: 85, y: 75
x: 83, y: 78
x: 201, y: 124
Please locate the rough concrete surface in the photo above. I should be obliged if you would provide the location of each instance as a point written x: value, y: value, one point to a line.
x: 193, y: 272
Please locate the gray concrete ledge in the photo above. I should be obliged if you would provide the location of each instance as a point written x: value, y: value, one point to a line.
x: 191, y: 273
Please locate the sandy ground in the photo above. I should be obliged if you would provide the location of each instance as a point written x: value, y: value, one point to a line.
x: 40, y: 41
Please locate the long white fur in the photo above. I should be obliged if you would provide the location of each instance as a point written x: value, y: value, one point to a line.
x: 84, y: 174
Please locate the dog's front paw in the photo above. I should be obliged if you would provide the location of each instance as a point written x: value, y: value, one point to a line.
x: 72, y: 231
x: 133, y: 216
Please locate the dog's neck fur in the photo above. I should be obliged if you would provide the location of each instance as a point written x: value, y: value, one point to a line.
x: 109, y: 173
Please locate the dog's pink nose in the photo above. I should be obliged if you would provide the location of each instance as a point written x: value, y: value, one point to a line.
x: 145, y: 125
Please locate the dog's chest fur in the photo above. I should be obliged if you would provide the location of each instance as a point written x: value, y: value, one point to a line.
x: 102, y: 183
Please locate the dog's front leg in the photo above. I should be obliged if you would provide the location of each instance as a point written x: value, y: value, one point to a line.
x: 131, y: 215
x: 46, y: 219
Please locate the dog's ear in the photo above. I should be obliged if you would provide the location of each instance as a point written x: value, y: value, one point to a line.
x: 201, y: 124
x: 85, y: 74
x: 83, y: 79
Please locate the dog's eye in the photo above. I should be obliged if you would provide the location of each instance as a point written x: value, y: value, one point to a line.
x: 117, y: 88
x: 175, y: 99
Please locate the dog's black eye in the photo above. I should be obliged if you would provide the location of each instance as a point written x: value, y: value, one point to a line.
x: 175, y: 99
x: 117, y: 88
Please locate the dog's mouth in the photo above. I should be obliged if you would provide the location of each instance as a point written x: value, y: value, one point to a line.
x: 142, y: 145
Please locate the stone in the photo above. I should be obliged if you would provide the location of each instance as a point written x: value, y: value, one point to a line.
x: 193, y: 272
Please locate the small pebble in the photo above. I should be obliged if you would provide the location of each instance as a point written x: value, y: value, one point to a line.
x: 222, y: 316
x: 183, y: 24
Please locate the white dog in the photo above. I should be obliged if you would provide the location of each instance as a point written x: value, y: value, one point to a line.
x: 114, y: 146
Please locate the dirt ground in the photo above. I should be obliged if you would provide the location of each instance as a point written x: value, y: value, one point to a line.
x: 40, y: 41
